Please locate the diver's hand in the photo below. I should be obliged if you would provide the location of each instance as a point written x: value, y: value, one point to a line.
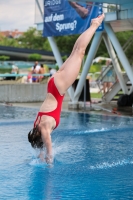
x: 41, y: 156
x: 49, y: 159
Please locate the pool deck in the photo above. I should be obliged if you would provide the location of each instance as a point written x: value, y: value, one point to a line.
x: 96, y: 107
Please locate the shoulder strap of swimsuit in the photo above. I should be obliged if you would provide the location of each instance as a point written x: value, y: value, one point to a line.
x: 37, y: 119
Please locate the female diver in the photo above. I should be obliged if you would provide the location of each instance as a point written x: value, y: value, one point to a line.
x: 48, y: 117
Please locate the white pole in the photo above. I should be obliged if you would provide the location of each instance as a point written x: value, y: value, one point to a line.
x: 115, y: 63
x: 121, y: 55
x: 56, y: 52
x: 92, y: 52
x: 59, y: 61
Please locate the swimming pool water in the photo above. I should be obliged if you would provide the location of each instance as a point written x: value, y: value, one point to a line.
x: 93, y: 158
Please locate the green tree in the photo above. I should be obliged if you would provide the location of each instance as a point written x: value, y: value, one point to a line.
x: 34, y: 57
x: 3, y: 58
x: 123, y: 37
x: 4, y: 41
x: 32, y: 39
x: 66, y: 43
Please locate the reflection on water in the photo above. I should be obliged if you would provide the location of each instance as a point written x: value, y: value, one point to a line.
x: 93, y: 158
x: 10, y: 112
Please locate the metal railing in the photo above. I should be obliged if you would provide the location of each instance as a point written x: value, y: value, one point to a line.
x: 102, y: 76
x: 128, y: 43
x: 21, y: 75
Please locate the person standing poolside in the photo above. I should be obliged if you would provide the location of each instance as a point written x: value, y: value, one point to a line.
x: 41, y: 71
x: 109, y: 78
x: 48, y: 117
x: 52, y: 71
x: 36, y: 66
x: 35, y: 70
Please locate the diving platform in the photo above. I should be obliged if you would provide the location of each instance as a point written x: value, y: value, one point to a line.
x: 118, y: 17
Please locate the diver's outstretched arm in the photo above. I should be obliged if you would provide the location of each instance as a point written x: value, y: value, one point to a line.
x: 46, y: 138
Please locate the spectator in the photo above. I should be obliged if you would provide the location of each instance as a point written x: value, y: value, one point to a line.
x: 41, y: 71
x: 29, y: 77
x: 36, y: 67
x: 35, y: 70
x: 52, y: 71
x: 109, y: 78
x: 14, y: 69
x: 24, y: 79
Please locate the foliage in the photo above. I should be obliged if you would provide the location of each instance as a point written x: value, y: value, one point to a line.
x: 46, y: 45
x: 9, y: 42
x: 3, y: 58
x: 34, y: 57
x: 96, y: 95
x: 123, y: 38
x: 95, y: 68
x: 102, y: 62
x: 33, y: 39
x: 46, y: 68
x: 102, y: 50
x: 111, y: 8
x: 5, y: 70
x: 64, y: 58
x: 66, y: 43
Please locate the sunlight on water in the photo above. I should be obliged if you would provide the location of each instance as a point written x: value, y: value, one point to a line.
x: 96, y: 130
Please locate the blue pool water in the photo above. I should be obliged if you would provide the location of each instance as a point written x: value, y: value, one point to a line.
x: 93, y: 158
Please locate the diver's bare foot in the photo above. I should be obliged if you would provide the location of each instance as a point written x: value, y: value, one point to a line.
x: 98, y: 20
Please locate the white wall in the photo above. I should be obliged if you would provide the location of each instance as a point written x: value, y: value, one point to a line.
x: 24, y: 93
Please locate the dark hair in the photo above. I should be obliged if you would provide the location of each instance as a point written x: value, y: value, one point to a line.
x: 41, y: 65
x: 34, y: 67
x: 34, y: 137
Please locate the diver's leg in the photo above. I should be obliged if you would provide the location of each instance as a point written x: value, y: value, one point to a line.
x: 71, y: 67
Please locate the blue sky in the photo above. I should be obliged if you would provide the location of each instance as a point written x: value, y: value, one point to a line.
x: 17, y: 14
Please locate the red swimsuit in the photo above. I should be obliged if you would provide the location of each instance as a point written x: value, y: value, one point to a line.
x: 51, y: 88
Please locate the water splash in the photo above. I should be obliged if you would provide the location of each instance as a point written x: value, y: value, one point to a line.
x: 69, y: 152
x: 36, y: 161
x: 106, y: 165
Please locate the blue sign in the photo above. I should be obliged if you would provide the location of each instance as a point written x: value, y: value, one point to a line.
x: 63, y: 17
